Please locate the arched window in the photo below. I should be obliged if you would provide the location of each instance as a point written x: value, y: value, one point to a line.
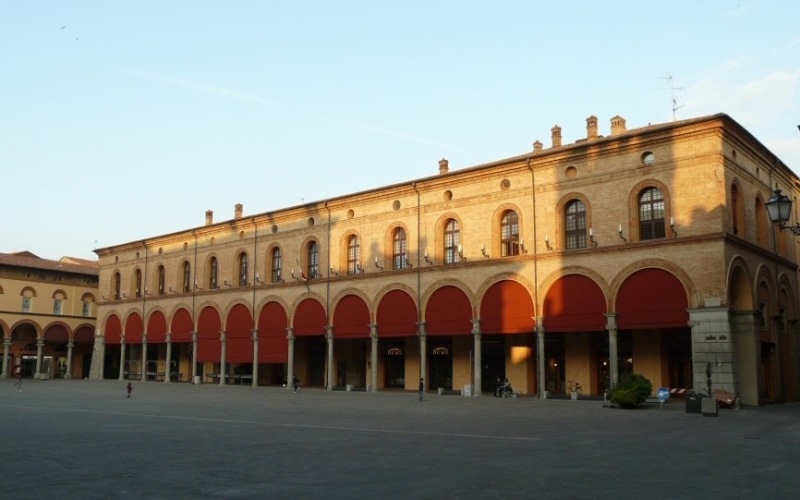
x: 452, y: 242
x: 243, y: 269
x: 212, y: 275
x: 353, y: 255
x: 399, y: 249
x: 162, y: 278
x: 651, y: 214
x: 187, y: 277
x: 575, y: 225
x: 277, y: 264
x: 138, y: 279
x: 117, y: 285
x: 509, y: 234
x: 735, y: 208
x: 313, y: 260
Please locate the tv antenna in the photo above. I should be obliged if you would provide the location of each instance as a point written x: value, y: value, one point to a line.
x: 673, y: 90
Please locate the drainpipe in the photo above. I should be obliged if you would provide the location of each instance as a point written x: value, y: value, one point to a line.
x: 420, y: 322
x: 329, y: 328
x: 538, y: 320
x: 144, y: 322
x: 194, y: 313
x: 255, y: 284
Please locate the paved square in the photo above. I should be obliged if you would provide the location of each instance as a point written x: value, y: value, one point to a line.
x: 85, y: 439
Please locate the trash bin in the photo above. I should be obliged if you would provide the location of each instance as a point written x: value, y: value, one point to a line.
x: 196, y: 380
x: 694, y: 402
x: 467, y: 390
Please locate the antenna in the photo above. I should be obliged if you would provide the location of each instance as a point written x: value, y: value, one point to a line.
x: 673, y: 88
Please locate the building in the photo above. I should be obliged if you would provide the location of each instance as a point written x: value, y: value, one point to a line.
x: 47, y: 315
x: 648, y: 250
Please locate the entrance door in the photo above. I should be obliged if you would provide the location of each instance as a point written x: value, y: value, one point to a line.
x: 440, y: 371
x: 394, y: 363
x: 493, y: 362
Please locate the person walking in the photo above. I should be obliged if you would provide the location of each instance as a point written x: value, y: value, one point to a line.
x: 130, y: 389
x: 421, y: 388
x: 18, y: 383
x: 295, y: 383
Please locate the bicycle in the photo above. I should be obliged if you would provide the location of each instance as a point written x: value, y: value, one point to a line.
x: 574, y: 387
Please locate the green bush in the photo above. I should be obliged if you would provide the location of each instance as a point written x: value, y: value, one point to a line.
x: 630, y: 391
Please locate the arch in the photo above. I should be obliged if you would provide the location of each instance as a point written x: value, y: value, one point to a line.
x: 157, y: 328
x: 736, y: 202
x: 182, y: 326
x: 113, y: 330
x: 273, y: 346
x: 84, y: 334
x: 740, y: 289
x: 134, y: 328
x: 59, y: 294
x: 561, y: 228
x: 239, y: 334
x: 309, y: 318
x: 652, y: 298
x: 496, y: 245
x: 56, y: 332
x: 448, y: 312
x: 88, y: 297
x: 28, y: 291
x: 396, y: 314
x: 574, y: 303
x: 633, y: 205
x: 209, y: 326
x: 761, y: 221
x: 396, y: 254
x: 507, y: 307
x: 351, y: 317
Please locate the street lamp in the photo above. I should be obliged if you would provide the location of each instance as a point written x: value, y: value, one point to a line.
x: 779, y: 209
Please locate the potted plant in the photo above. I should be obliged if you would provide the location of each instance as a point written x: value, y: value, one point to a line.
x: 631, y: 391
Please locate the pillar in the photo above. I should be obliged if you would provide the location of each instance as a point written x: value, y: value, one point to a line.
x: 331, y: 368
x: 290, y: 357
x: 143, y: 368
x: 122, y: 358
x: 224, y: 341
x: 540, y: 361
x: 423, y: 367
x: 477, y: 382
x: 255, y: 358
x: 168, y: 368
x: 373, y: 358
x: 6, y: 349
x: 194, y: 356
x: 68, y: 374
x: 613, y: 360
x: 39, y: 346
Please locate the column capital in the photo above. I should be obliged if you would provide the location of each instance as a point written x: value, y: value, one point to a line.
x: 373, y: 331
x: 254, y: 332
x: 476, y: 326
x: 289, y: 333
x: 223, y: 336
x: 329, y: 332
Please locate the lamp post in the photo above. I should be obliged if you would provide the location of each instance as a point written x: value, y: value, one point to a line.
x: 779, y: 209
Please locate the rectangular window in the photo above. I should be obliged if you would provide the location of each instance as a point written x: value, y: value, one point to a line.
x: 58, y: 306
x: 87, y: 309
x: 26, y: 304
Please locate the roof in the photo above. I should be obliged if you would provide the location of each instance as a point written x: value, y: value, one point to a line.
x: 65, y: 265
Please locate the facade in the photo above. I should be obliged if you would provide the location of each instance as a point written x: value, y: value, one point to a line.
x: 648, y: 250
x: 47, y: 315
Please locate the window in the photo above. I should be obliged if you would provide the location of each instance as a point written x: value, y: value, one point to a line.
x: 212, y: 275
x: 735, y: 208
x: 651, y: 215
x: 138, y: 278
x: 117, y: 284
x: 509, y: 234
x: 277, y: 265
x: 58, y: 306
x: 452, y: 242
x: 243, y: 269
x: 575, y: 225
x: 87, y: 309
x: 26, y: 304
x: 353, y: 255
x: 399, y: 249
x: 313, y: 260
x: 187, y: 277
x: 161, y: 279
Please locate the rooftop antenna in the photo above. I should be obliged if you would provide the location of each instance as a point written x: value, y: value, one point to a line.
x: 673, y: 88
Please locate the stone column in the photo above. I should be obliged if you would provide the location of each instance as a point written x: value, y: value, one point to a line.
x: 6, y: 349
x: 194, y: 356
x: 68, y: 374
x: 255, y: 357
x: 223, y: 339
x: 122, y: 357
x: 97, y: 365
x: 331, y: 367
x: 143, y: 368
x: 613, y: 360
x: 373, y: 359
x: 540, y: 361
x: 423, y: 367
x: 713, y: 343
x: 290, y: 357
x: 477, y: 381
x: 39, y: 345
x: 168, y: 368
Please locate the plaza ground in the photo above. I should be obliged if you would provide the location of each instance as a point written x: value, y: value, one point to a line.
x: 69, y: 439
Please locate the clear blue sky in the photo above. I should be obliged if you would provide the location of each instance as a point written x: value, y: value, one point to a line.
x: 125, y: 120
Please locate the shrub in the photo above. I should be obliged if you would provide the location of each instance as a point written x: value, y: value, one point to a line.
x: 630, y: 391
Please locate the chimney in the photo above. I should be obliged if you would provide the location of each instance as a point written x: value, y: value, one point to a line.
x: 537, y: 146
x: 209, y: 217
x: 618, y: 125
x: 237, y: 211
x: 443, y: 166
x: 556, y: 136
x: 591, y: 127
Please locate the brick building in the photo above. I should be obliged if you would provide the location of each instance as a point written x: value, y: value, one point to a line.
x: 648, y: 250
x: 47, y: 315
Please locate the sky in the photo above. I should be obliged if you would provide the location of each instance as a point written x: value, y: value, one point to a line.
x: 121, y: 121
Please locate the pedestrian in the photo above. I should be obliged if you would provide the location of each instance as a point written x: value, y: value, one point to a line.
x: 18, y: 383
x: 130, y: 389
x: 421, y: 388
x: 295, y: 383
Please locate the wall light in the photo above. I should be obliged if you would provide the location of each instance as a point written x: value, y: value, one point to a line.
x: 619, y: 231
x: 546, y: 242
x: 483, y: 250
x: 378, y: 265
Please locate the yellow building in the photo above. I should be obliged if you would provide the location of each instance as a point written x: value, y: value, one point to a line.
x: 47, y: 315
x: 647, y: 250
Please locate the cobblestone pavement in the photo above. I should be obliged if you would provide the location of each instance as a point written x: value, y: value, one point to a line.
x: 65, y: 439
